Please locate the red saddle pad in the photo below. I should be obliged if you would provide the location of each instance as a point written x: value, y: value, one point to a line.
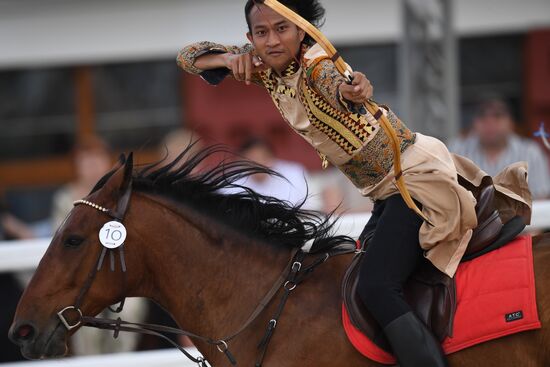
x: 496, y: 297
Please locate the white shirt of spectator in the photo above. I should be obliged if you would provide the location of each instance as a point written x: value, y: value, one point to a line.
x: 518, y: 149
x: 292, y: 188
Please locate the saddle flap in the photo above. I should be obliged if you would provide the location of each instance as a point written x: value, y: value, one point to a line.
x: 485, y: 203
x: 508, y: 232
x: 485, y: 233
x: 489, y: 222
x: 431, y: 294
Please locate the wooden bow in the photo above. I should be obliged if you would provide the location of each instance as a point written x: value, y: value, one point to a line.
x: 371, y: 106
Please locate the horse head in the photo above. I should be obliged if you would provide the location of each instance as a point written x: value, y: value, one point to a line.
x: 66, y: 275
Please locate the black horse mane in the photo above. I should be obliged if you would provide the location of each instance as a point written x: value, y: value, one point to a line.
x: 211, y: 192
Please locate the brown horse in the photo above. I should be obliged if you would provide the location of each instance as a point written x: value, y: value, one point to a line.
x: 209, y: 258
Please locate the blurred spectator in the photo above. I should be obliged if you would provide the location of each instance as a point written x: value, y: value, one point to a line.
x: 493, y: 145
x: 91, y: 159
x: 339, y: 194
x: 292, y: 188
x: 10, y: 227
x: 176, y: 142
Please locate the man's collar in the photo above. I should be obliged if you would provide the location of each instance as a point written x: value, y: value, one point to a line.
x: 291, y: 69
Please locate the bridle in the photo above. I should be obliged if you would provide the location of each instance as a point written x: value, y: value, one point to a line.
x: 118, y: 216
x: 293, y: 274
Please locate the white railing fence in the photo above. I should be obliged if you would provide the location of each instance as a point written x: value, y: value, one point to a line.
x: 25, y: 255
x: 157, y: 358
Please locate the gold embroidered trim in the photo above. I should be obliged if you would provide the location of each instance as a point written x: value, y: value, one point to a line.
x: 350, y: 131
x: 320, y: 117
x: 289, y: 91
x: 269, y: 84
x: 324, y: 160
x: 291, y: 69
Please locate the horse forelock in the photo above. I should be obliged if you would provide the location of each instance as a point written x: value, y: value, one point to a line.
x: 212, y: 192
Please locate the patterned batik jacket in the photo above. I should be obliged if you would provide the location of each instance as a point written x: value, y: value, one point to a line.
x: 308, y: 98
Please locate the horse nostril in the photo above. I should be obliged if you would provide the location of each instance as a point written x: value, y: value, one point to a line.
x: 23, y: 333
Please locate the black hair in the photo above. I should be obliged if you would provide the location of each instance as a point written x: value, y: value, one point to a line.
x: 271, y: 220
x: 310, y: 10
x: 492, y: 103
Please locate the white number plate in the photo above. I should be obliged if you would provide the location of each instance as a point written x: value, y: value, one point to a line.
x: 112, y: 234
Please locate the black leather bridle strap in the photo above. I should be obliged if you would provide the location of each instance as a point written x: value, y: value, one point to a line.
x: 91, y: 276
x: 118, y: 215
x: 298, y: 274
x: 75, y: 308
x: 118, y: 325
x: 149, y: 329
x: 292, y: 275
x: 269, y: 295
x: 288, y: 286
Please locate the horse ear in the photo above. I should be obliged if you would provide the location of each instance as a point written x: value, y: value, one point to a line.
x: 126, y: 188
x: 118, y: 187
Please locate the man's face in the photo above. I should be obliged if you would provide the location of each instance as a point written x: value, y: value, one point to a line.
x: 262, y: 155
x: 493, y: 127
x: 276, y: 40
x: 259, y: 154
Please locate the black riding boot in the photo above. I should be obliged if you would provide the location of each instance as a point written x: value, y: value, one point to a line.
x: 413, y: 344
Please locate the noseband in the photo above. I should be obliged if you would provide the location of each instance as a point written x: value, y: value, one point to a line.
x: 293, y: 274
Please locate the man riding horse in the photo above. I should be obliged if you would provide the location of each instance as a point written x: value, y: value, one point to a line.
x: 374, y: 149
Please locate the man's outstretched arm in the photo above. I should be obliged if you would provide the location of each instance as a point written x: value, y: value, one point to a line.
x: 213, y: 62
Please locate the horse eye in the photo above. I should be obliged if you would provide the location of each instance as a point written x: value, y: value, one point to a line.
x: 73, y: 241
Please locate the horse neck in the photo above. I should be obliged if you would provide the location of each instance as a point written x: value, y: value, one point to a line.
x: 208, y: 278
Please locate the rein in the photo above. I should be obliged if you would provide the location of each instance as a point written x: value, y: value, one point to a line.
x: 293, y: 274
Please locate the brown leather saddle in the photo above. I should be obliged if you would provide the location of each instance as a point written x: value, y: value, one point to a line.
x: 432, y: 294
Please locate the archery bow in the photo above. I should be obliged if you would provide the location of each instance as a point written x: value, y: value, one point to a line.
x: 371, y: 106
